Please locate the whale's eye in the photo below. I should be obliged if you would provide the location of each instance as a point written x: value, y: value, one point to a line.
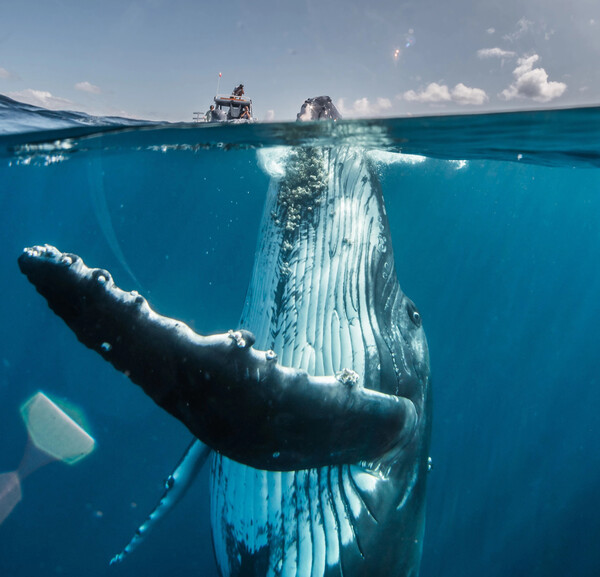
x: 413, y: 313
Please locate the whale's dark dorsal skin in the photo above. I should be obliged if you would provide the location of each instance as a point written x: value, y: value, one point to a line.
x: 318, y: 407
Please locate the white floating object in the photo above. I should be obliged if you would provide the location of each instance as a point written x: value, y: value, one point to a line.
x: 54, y: 432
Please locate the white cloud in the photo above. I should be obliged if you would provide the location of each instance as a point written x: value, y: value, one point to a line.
x: 384, y: 103
x: 269, y: 116
x: 491, y: 30
x: 363, y: 107
x: 523, y: 26
x: 8, y: 75
x: 41, y: 98
x: 440, y: 93
x: 495, y: 53
x: 434, y: 93
x: 532, y: 83
x: 462, y: 94
x: 88, y: 87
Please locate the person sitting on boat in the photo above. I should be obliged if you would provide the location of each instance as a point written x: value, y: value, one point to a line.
x: 239, y: 91
x: 209, y: 113
x: 245, y: 113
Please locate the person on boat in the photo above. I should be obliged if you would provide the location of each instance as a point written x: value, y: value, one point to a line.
x: 209, y: 113
x: 239, y: 90
x: 245, y: 113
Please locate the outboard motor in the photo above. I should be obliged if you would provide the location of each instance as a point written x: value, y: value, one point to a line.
x: 318, y: 108
x: 218, y: 115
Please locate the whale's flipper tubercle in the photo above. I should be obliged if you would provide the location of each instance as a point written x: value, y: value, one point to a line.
x: 176, y: 486
x: 238, y: 400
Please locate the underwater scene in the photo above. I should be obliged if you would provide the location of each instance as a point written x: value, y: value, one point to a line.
x: 495, y: 225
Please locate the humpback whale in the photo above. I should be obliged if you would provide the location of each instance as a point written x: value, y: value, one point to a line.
x: 316, y: 409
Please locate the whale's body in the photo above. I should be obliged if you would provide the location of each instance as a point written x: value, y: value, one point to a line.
x: 330, y: 300
x: 321, y: 442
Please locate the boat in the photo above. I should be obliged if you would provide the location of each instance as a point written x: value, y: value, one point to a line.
x: 227, y: 108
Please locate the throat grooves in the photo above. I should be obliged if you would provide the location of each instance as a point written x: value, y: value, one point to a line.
x: 311, y: 301
x: 310, y: 298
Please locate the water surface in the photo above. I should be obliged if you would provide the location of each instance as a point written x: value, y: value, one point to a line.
x: 496, y: 227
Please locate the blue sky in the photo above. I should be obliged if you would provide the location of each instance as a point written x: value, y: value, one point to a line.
x: 160, y: 59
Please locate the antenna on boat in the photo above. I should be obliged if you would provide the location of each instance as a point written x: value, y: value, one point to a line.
x: 218, y: 83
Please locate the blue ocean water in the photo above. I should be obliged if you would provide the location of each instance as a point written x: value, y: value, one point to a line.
x: 496, y: 228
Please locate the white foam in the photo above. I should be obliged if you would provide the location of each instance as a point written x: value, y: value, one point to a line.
x: 385, y: 157
x: 273, y: 160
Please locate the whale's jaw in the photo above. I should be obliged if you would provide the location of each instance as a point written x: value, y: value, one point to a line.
x: 324, y: 296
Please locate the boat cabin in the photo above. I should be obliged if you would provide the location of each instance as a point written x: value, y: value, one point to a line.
x: 231, y: 107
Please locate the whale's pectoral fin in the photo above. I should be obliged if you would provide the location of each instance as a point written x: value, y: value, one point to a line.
x: 238, y: 400
x: 176, y: 486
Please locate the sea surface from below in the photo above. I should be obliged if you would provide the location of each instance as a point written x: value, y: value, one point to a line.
x: 495, y: 221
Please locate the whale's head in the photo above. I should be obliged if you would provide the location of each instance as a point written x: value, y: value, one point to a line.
x: 318, y: 108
